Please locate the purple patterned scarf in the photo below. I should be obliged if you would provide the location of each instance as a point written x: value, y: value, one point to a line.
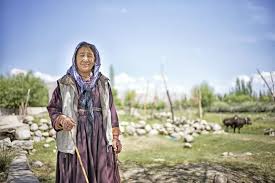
x: 84, y: 85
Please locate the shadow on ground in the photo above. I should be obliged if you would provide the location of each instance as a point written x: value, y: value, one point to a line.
x: 203, y: 173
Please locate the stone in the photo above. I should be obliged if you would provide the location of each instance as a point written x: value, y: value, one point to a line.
x: 148, y: 128
x: 38, y: 133
x: 168, y: 125
x: 23, y: 133
x: 49, y: 139
x: 34, y: 127
x: 204, y: 132
x: 130, y: 130
x: 46, y: 145
x: 187, y: 145
x: 22, y: 144
x: 43, y: 127
x: 45, y: 134
x: 36, y: 139
x: 188, y: 138
x: 19, y: 171
x: 216, y: 127
x: 37, y: 164
x: 141, y: 131
x: 8, y: 124
x: 248, y: 154
x: 52, y: 132
x: 219, y: 178
x: 153, y: 132
x: 141, y: 122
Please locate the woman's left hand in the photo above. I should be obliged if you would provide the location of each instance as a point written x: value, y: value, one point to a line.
x: 117, y: 145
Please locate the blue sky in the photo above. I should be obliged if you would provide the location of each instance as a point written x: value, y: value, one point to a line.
x: 214, y: 41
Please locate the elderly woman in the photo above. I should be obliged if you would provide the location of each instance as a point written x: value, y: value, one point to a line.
x: 83, y: 113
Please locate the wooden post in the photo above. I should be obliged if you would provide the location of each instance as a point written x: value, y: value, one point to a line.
x: 168, y: 95
x: 200, y: 105
x: 271, y: 90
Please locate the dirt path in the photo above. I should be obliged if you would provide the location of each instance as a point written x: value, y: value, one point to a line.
x: 188, y: 173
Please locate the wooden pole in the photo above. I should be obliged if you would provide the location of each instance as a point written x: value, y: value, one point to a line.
x: 79, y: 158
x: 168, y: 95
x: 266, y: 83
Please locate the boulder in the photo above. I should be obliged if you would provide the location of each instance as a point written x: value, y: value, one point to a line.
x: 187, y: 145
x: 8, y: 124
x: 188, y: 138
x: 153, y: 132
x: 141, y: 131
x: 22, y: 144
x: 23, y: 133
x: 52, y: 132
x: 27, y: 119
x: 43, y: 127
x: 34, y: 127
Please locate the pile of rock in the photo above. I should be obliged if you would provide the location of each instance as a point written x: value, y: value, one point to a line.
x: 40, y: 131
x: 22, y: 135
x: 180, y: 129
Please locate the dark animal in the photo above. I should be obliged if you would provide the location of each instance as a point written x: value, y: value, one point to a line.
x: 236, y: 122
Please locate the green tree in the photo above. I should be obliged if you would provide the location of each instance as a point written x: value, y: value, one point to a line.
x: 207, y: 94
x: 117, y: 100
x: 112, y: 76
x: 130, y: 99
x: 14, y: 89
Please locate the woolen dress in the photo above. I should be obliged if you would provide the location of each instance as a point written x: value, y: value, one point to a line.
x: 98, y: 159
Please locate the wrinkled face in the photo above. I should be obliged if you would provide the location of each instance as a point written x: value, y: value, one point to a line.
x: 85, y: 60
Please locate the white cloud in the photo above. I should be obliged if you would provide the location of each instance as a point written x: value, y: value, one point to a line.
x: 16, y: 71
x: 147, y: 88
x: 45, y: 77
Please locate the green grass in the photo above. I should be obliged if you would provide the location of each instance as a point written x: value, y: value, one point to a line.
x: 161, y: 150
x: 48, y: 158
x: 206, y: 148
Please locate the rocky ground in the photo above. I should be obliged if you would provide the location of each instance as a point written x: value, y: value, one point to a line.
x: 202, y: 172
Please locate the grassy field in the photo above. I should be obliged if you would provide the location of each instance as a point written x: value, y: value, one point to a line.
x: 162, y: 150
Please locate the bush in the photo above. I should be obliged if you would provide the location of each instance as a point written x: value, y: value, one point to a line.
x: 14, y: 89
x: 242, y: 107
x: 6, y: 156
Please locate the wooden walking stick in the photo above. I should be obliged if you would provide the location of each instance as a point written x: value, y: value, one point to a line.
x: 79, y: 158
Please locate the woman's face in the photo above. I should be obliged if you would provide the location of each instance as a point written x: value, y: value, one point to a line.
x: 85, y: 60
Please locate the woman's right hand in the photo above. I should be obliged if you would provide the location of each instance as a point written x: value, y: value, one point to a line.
x: 65, y: 123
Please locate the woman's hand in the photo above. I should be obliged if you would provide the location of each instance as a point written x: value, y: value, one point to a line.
x: 64, y: 122
x: 117, y: 145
